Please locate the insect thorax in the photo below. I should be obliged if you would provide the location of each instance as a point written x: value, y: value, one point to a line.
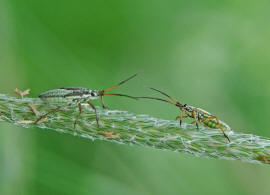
x: 200, y: 113
x: 89, y: 95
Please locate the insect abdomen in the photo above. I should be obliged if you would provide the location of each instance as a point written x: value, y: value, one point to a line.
x: 213, y: 124
x: 58, y: 95
x: 53, y: 93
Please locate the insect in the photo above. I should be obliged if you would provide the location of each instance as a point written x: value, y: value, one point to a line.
x: 78, y: 95
x: 198, y: 114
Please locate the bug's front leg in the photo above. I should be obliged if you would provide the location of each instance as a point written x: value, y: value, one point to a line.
x: 194, y: 115
x: 93, y: 107
x: 181, y: 117
x: 102, y: 103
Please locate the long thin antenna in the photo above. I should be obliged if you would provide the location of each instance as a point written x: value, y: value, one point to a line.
x: 163, y: 93
x: 159, y: 99
x: 122, y: 82
x: 118, y: 94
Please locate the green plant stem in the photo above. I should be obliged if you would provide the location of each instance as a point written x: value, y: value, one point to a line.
x: 123, y: 127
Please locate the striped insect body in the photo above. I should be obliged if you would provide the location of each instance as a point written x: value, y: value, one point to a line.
x: 70, y: 94
x: 78, y: 95
x: 198, y: 114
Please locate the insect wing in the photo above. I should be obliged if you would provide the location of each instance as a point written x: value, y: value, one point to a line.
x: 74, y: 88
x: 60, y: 95
x: 54, y: 93
x: 204, y: 111
x: 225, y: 125
x: 76, y: 92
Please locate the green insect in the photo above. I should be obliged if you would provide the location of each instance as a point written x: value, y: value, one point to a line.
x: 198, y: 114
x: 78, y: 95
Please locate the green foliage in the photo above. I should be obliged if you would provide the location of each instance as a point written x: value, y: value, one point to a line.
x: 125, y: 128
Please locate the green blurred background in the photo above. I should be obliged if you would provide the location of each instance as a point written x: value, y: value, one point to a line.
x: 210, y: 54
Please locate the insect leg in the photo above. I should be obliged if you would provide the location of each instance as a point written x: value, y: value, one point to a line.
x: 52, y: 111
x: 178, y: 117
x: 181, y: 117
x: 213, y: 117
x: 102, y: 103
x: 195, y: 118
x: 93, y: 107
x: 80, y: 112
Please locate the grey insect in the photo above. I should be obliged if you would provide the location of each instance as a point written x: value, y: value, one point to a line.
x: 79, y: 95
x: 198, y: 114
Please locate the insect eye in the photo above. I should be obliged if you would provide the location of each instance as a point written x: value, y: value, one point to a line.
x: 93, y: 93
x: 185, y: 105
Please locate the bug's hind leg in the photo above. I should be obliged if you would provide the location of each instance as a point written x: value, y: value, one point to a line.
x: 93, y: 107
x: 214, y: 117
x: 52, y: 111
x: 80, y: 112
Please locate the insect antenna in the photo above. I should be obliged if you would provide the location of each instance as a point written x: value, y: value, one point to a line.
x: 154, y: 98
x: 102, y: 92
x: 163, y: 93
x: 122, y: 82
x: 118, y: 94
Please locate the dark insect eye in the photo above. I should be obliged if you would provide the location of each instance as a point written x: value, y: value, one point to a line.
x: 185, y: 105
x: 93, y: 93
